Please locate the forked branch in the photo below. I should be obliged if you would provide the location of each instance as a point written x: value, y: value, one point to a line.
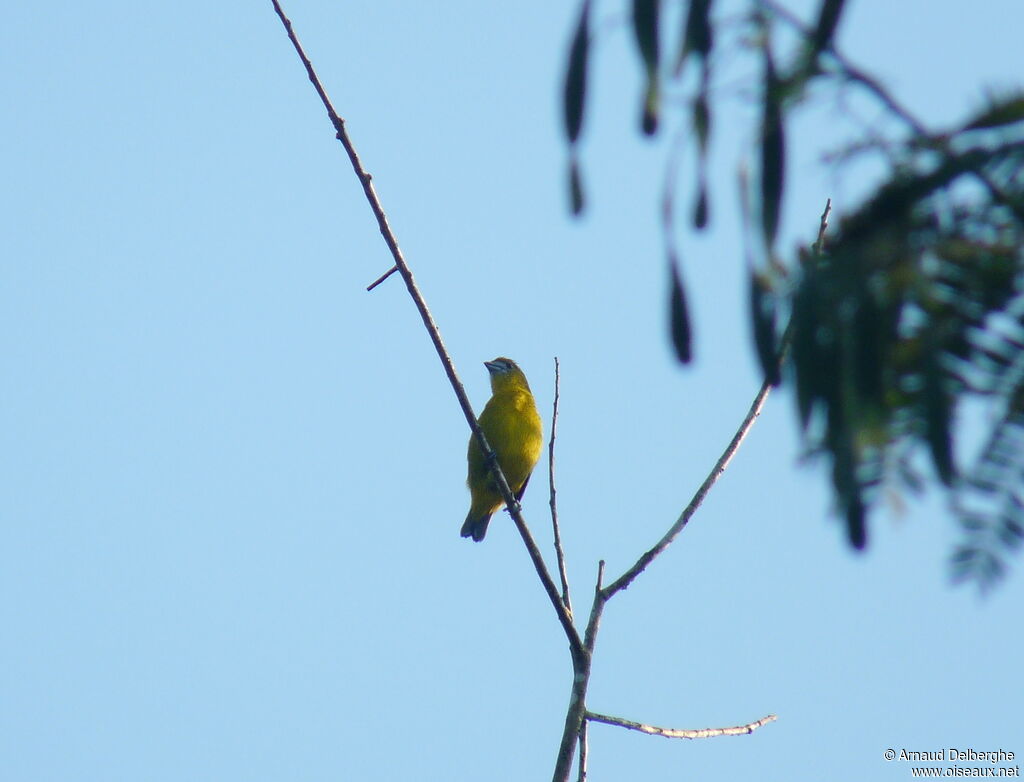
x: 559, y: 553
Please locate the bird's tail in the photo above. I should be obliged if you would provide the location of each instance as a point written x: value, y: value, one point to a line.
x: 475, y: 527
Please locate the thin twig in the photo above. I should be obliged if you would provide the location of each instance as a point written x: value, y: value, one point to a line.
x: 851, y: 71
x: 590, y: 636
x: 381, y: 279
x: 575, y: 643
x: 626, y: 578
x: 673, y: 733
x: 582, y: 776
x: 872, y: 84
x: 559, y: 553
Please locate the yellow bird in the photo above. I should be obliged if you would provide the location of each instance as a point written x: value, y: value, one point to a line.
x: 513, y: 429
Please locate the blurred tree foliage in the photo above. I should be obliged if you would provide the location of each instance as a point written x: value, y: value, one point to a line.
x: 914, y: 305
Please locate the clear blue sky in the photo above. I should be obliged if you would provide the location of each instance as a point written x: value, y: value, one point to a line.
x: 231, y: 480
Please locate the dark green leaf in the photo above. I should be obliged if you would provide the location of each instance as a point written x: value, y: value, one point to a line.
x: 868, y: 340
x: 855, y: 525
x: 937, y: 411
x: 964, y: 554
x: 576, y: 75
x: 845, y: 481
x: 963, y: 562
x: 1011, y: 533
x: 649, y: 118
x: 679, y: 316
x: 808, y: 360
x: 702, y: 128
x: 976, y: 563
x: 576, y: 198
x: 1004, y: 111
x: 763, y: 317
x: 702, y: 120
x: 645, y: 28
x: 773, y: 151
x: 972, y: 522
x: 700, y: 210
x: 698, y: 35
x: 983, y: 483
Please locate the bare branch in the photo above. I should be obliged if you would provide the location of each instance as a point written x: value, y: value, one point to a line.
x: 559, y: 553
x: 575, y: 643
x: 582, y: 776
x: 641, y: 564
x: 674, y: 733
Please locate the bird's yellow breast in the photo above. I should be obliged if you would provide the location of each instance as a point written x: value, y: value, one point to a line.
x: 513, y: 427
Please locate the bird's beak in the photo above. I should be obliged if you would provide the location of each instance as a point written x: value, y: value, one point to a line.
x: 492, y: 366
